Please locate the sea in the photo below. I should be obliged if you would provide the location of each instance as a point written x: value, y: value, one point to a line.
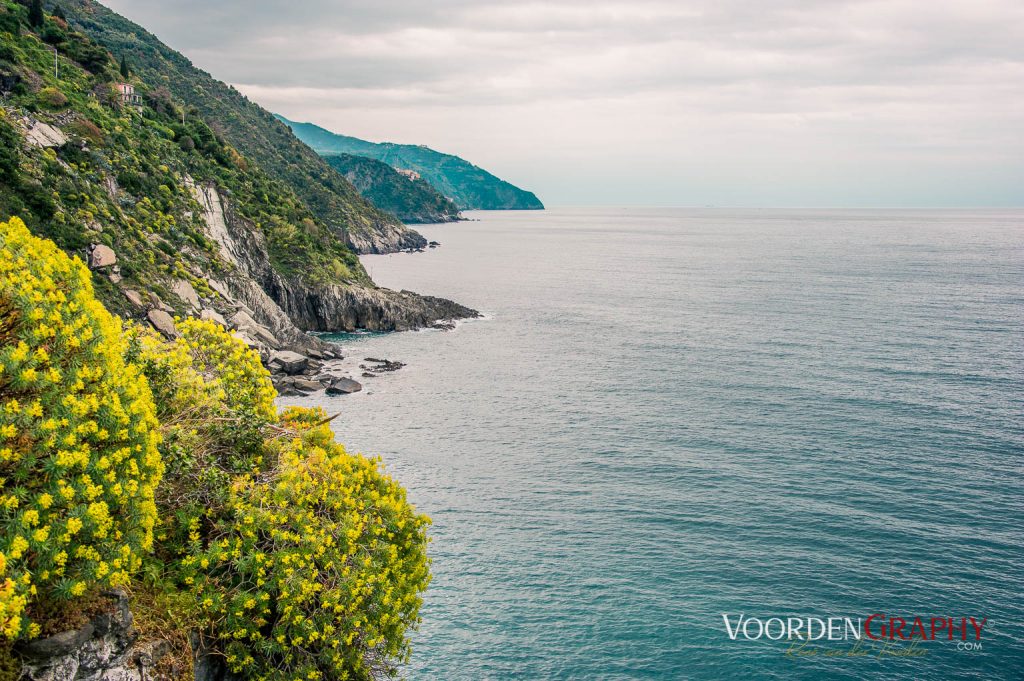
x: 670, y: 421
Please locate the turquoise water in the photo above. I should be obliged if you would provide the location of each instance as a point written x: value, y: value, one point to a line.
x: 670, y: 415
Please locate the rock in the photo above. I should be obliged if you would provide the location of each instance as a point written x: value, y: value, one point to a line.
x: 434, y: 244
x: 242, y: 321
x: 213, y: 316
x: 367, y: 374
x: 219, y: 288
x: 307, y: 385
x: 115, y: 275
x: 154, y: 299
x: 43, y: 135
x: 100, y: 256
x: 187, y: 293
x: 163, y: 323
x: 287, y: 362
x: 134, y: 297
x: 382, y: 365
x: 104, y: 649
x: 343, y: 386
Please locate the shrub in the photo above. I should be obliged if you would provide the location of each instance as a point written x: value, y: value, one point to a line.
x: 52, y: 98
x: 79, y: 461
x: 317, y: 570
x: 87, y: 130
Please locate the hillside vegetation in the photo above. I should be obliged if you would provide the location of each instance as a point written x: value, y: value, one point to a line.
x: 470, y: 187
x: 183, y: 218
x: 411, y: 199
x: 248, y: 128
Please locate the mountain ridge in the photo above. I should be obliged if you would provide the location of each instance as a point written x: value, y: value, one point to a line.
x: 468, y: 185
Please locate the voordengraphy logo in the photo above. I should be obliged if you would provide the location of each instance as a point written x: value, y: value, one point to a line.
x: 887, y: 630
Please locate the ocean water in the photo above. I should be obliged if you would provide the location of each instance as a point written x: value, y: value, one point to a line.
x: 672, y: 414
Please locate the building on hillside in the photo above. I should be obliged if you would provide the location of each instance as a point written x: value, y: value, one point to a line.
x: 128, y: 96
x: 411, y: 174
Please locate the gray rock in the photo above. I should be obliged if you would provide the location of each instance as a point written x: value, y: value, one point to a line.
x: 288, y: 362
x: 307, y: 385
x: 163, y: 323
x: 43, y: 135
x: 219, y: 288
x: 187, y: 293
x: 101, y: 256
x: 213, y: 316
x: 105, y: 649
x: 343, y: 386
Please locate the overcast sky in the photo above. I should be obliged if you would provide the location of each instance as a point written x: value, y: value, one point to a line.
x: 633, y: 102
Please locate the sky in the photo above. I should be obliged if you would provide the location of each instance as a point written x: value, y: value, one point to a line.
x: 648, y: 102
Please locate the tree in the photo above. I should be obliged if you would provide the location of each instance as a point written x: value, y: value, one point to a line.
x: 125, y: 71
x: 58, y: 12
x: 35, y: 13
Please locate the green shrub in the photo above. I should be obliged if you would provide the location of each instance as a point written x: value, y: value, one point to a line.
x: 79, y: 461
x: 52, y: 98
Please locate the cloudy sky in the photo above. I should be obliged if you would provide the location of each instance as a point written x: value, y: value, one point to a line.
x: 649, y: 102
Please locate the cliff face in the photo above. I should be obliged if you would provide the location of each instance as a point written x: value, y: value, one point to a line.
x: 289, y: 307
x: 171, y: 217
x: 469, y: 186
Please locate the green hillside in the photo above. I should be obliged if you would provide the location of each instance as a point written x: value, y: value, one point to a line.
x: 247, y: 127
x: 411, y: 199
x: 189, y: 219
x: 470, y: 187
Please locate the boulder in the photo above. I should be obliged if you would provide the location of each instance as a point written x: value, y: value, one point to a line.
x: 213, y: 316
x: 163, y: 323
x: 187, y: 293
x: 306, y: 385
x: 154, y: 299
x: 287, y: 362
x: 43, y: 135
x: 340, y: 385
x: 134, y: 297
x: 100, y: 256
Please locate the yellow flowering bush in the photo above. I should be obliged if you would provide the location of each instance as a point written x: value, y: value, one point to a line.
x: 317, y: 570
x: 79, y: 458
x: 214, y: 401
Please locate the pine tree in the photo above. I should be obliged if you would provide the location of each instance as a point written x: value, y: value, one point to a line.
x: 35, y: 13
x: 125, y: 71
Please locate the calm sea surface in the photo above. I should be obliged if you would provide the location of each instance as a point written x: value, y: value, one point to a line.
x: 673, y: 414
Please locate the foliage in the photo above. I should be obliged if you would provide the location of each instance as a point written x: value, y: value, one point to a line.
x: 331, y: 201
x: 129, y: 187
x: 79, y: 462
x: 214, y: 400
x: 411, y: 200
x: 124, y: 70
x: 52, y: 98
x: 317, y: 571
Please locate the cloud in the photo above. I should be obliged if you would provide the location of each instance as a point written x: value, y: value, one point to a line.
x: 898, y: 86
